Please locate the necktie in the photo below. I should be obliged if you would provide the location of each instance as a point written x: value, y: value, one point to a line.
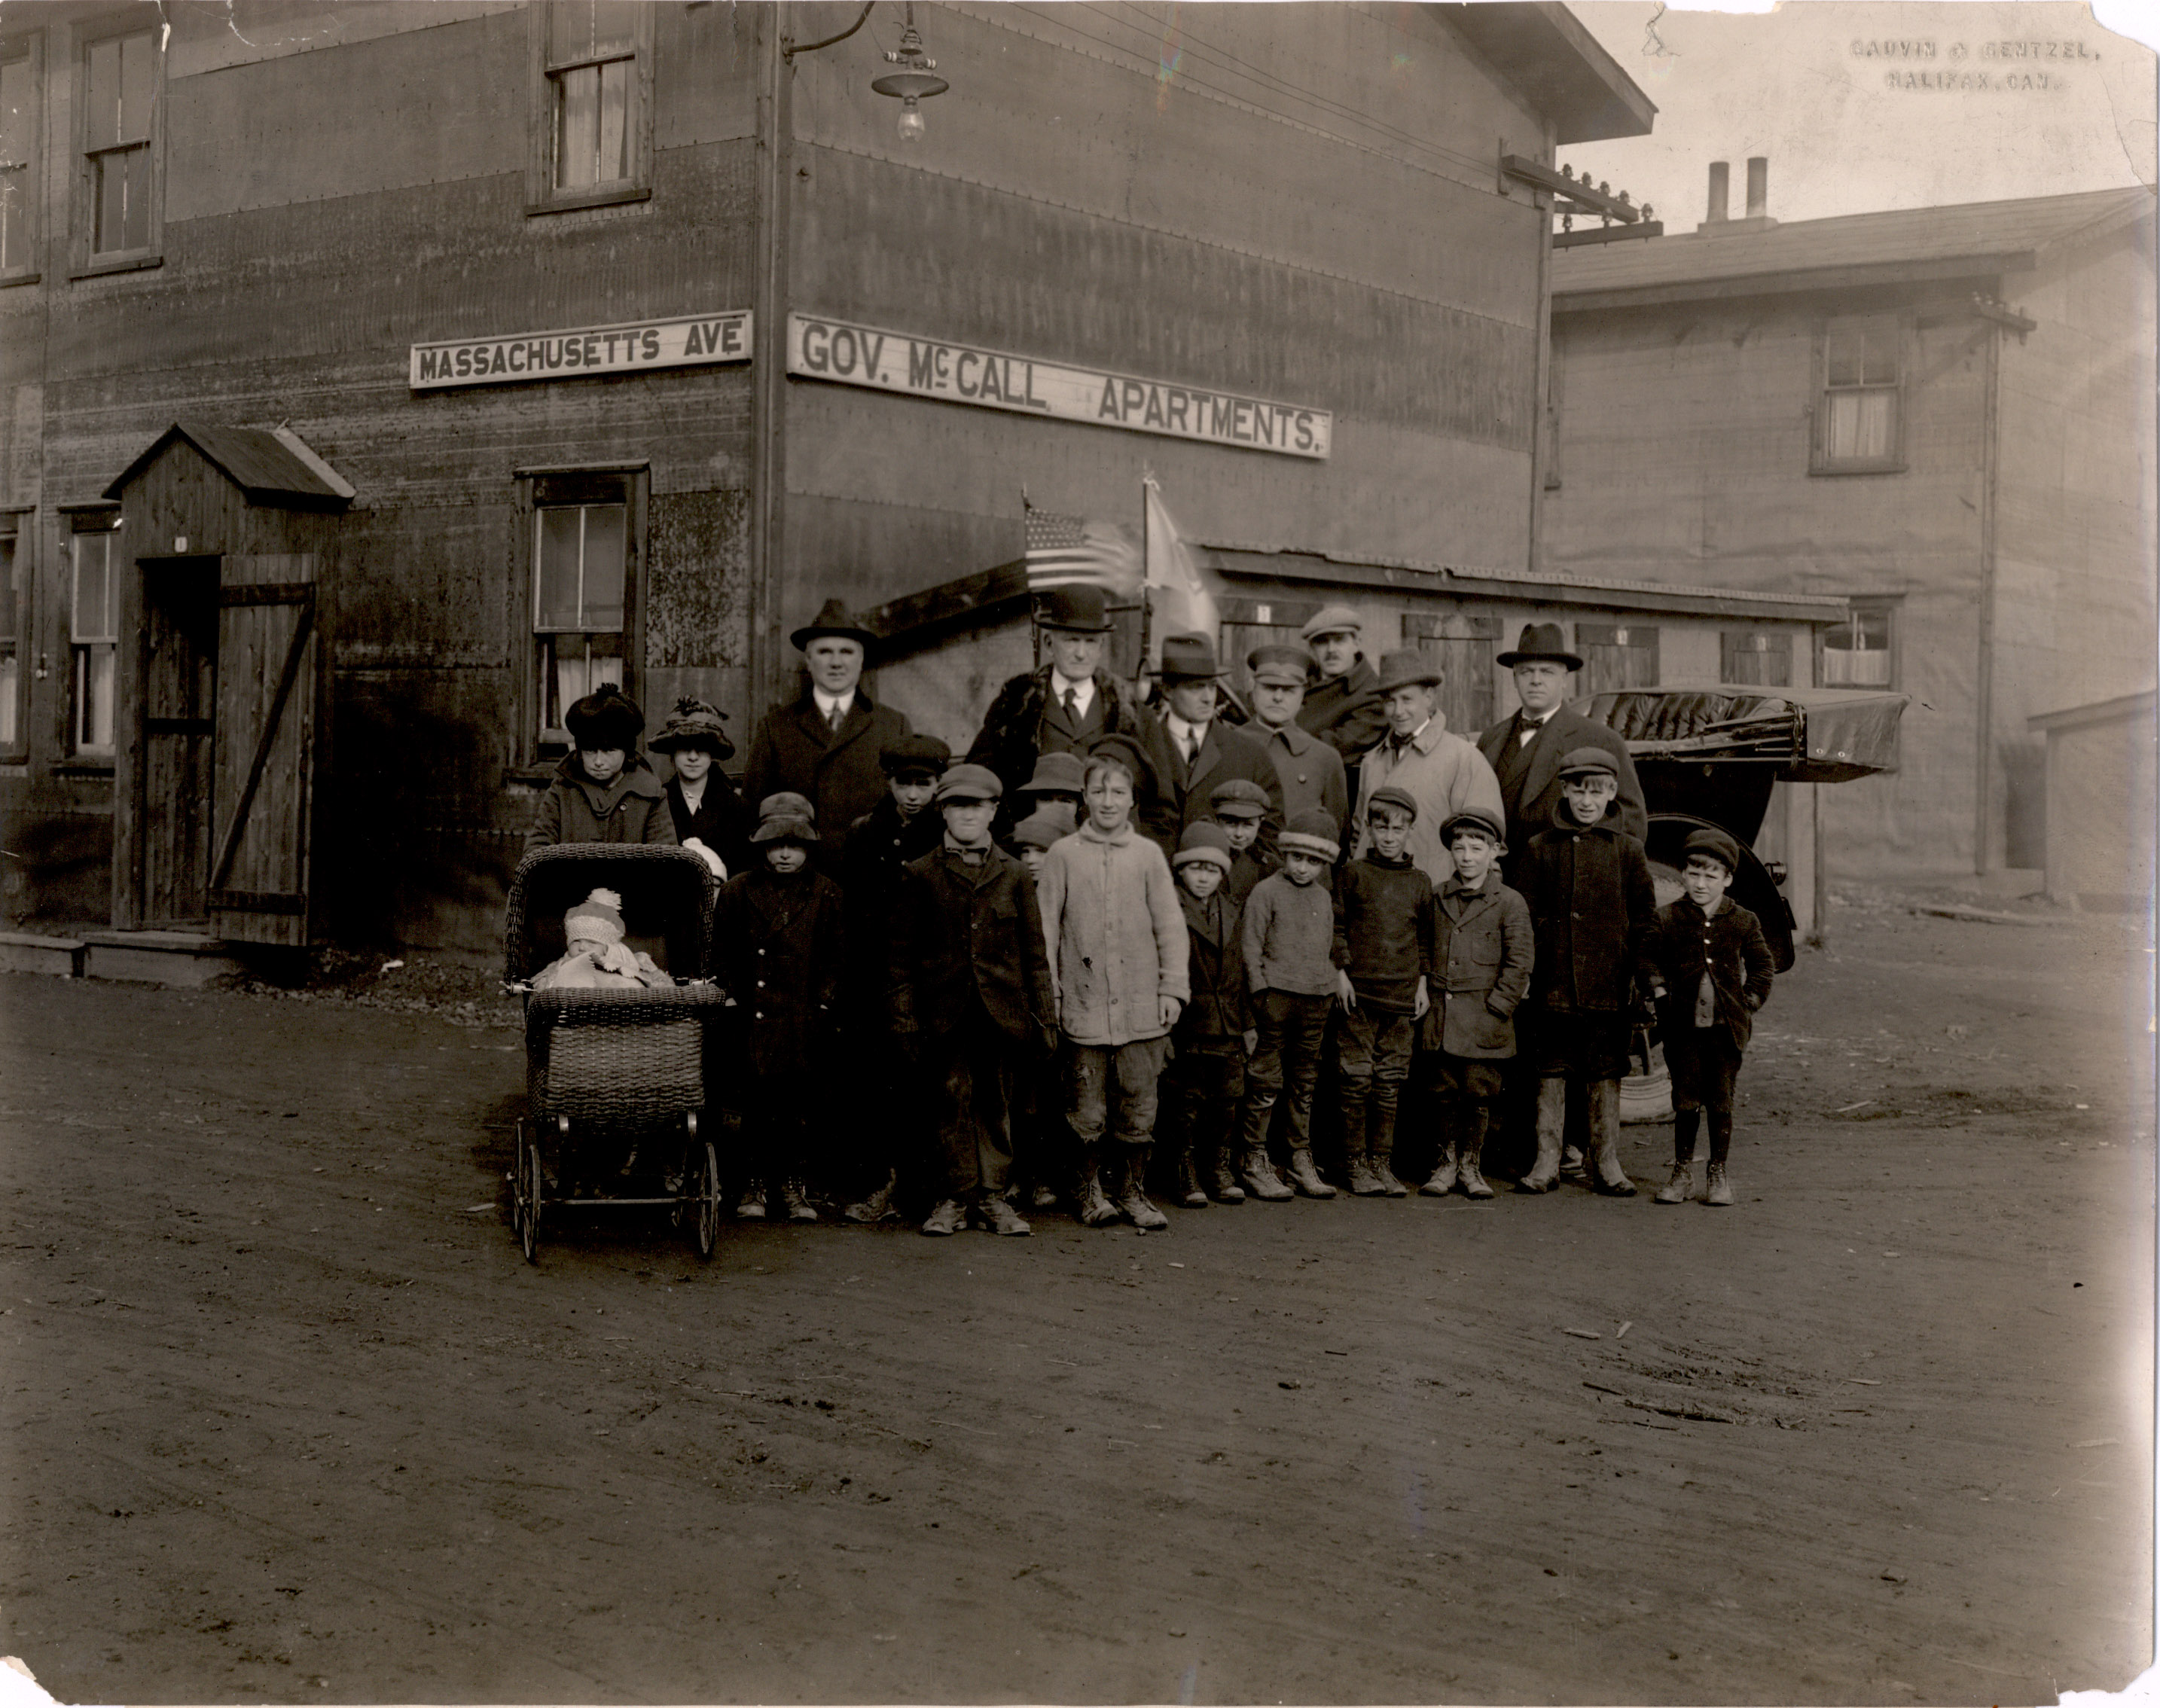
x: 1192, y: 749
x: 1072, y: 706
x: 838, y: 716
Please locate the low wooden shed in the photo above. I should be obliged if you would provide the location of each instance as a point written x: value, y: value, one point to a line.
x: 228, y: 538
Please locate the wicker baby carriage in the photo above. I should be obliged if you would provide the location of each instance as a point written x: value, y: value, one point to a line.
x: 615, y: 1080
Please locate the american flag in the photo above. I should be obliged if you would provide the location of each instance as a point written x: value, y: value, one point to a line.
x: 1066, y: 551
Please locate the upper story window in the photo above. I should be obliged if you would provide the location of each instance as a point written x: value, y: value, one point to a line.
x: 1859, y: 426
x: 93, y: 631
x: 19, y: 109
x: 592, y: 99
x: 1861, y: 651
x: 120, y: 78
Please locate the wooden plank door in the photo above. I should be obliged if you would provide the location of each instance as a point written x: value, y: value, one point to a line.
x: 176, y: 700
x: 1464, y: 647
x: 266, y: 654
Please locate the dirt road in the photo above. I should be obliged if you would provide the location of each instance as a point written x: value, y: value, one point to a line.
x: 287, y: 1418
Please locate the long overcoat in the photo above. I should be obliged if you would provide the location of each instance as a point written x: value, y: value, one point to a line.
x: 1116, y: 935
x: 795, y: 748
x: 1180, y: 796
x: 1347, y: 711
x: 1482, y: 953
x: 965, y: 941
x: 1310, y: 771
x: 722, y: 823
x: 1592, y: 907
x: 1215, y: 968
x: 778, y: 943
x: 1022, y: 724
x: 630, y: 809
x: 1731, y: 943
x: 1530, y: 777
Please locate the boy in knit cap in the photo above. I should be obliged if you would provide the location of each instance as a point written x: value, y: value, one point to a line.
x: 970, y: 995
x: 1205, y: 1078
x: 1288, y: 941
x: 1481, y: 962
x: 1239, y: 805
x: 1709, y: 969
x: 1116, y: 937
x: 781, y: 944
x: 1384, y: 934
x: 604, y: 790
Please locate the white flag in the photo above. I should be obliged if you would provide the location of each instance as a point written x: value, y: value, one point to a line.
x: 1177, y: 593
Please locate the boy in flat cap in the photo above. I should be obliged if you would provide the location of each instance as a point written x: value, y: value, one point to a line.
x: 1240, y: 806
x: 902, y: 827
x: 603, y: 790
x: 1310, y: 769
x: 1192, y: 749
x: 1592, y: 907
x: 709, y: 817
x: 779, y: 944
x: 1709, y: 969
x: 971, y: 997
x: 1287, y: 939
x: 1206, y: 1078
x: 1116, y: 937
x: 1384, y: 926
x: 1483, y: 952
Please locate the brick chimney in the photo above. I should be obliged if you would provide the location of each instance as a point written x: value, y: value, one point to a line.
x: 1758, y: 186
x: 1721, y: 193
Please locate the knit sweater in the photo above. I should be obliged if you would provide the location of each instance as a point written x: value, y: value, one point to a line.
x: 1385, y: 930
x: 1289, y: 937
x: 1116, y: 935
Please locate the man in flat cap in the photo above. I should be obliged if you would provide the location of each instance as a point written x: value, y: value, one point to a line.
x: 1343, y: 705
x: 1525, y: 750
x: 1064, y: 706
x: 1310, y: 769
x: 1443, y: 774
x: 1190, y: 749
x: 827, y: 746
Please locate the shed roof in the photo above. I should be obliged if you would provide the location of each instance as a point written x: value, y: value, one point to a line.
x: 270, y: 465
x: 1963, y: 240
x: 1542, y: 48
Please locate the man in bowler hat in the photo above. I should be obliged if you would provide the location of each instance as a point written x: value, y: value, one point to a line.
x: 1064, y: 706
x: 1525, y: 750
x: 1191, y: 749
x: 827, y: 746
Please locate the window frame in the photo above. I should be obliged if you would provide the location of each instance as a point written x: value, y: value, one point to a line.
x: 535, y: 750
x: 87, y: 261
x: 1891, y: 608
x: 1735, y: 642
x: 1593, y: 641
x: 29, y: 46
x: 541, y: 195
x: 19, y: 523
x: 106, y: 524
x: 1898, y: 327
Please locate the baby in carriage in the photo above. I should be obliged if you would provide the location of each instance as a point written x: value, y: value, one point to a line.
x: 596, y: 958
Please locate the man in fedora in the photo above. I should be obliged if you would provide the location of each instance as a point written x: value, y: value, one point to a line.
x: 1525, y: 750
x: 1191, y: 749
x: 828, y: 745
x: 1443, y: 773
x: 1311, y: 771
x: 1064, y: 706
x: 1343, y: 707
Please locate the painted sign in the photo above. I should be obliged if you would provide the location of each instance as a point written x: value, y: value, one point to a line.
x: 690, y: 341
x: 960, y: 373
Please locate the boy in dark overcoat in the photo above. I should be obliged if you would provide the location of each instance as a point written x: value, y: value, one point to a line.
x: 1482, y: 954
x: 1592, y: 906
x: 709, y: 815
x: 1384, y: 928
x: 1205, y: 1078
x: 604, y: 790
x: 779, y: 942
x: 969, y: 989
x: 902, y: 827
x: 1709, y: 969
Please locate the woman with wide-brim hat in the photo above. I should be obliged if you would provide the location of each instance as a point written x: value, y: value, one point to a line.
x: 709, y: 815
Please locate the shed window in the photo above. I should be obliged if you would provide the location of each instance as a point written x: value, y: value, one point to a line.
x: 120, y: 88
x: 12, y: 579
x: 591, y: 122
x: 1617, y: 656
x: 583, y: 575
x: 19, y: 156
x: 1757, y: 657
x: 1861, y: 651
x: 1859, y: 426
x: 93, y: 632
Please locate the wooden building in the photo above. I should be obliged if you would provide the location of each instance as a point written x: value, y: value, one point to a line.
x: 1943, y: 415
x: 636, y: 331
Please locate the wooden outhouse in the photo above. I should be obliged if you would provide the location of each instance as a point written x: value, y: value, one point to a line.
x: 227, y: 536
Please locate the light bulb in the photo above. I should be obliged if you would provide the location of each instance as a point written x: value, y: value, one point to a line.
x: 912, y: 125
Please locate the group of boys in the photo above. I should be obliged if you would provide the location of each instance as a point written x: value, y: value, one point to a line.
x: 1020, y: 984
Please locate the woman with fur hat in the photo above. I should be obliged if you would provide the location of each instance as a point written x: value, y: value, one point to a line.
x: 603, y: 790
x: 709, y: 815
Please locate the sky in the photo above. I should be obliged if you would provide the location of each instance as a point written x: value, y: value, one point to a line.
x: 1846, y: 100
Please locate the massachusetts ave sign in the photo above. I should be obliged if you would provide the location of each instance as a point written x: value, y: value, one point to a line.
x: 961, y: 373
x: 501, y: 357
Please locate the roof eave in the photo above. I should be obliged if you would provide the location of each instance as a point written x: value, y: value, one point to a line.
x: 1785, y: 282
x: 1542, y: 48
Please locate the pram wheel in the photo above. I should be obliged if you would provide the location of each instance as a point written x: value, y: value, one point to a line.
x: 708, y: 1202
x: 526, y: 1187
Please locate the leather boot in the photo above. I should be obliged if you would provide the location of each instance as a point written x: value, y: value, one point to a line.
x: 1133, y: 1199
x: 1094, y: 1207
x: 1552, y: 1123
x: 795, y: 1200
x: 1260, y: 1178
x: 1190, y: 1192
x: 1719, y: 1190
x: 1444, y: 1173
x: 1380, y: 1139
x: 1681, y: 1186
x: 1223, y: 1186
x: 1363, y: 1182
x: 1305, y: 1177
x: 874, y: 1206
x: 1471, y: 1152
x: 947, y: 1216
x: 749, y: 1204
x: 1608, y: 1177
x: 1380, y: 1158
x: 994, y: 1214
